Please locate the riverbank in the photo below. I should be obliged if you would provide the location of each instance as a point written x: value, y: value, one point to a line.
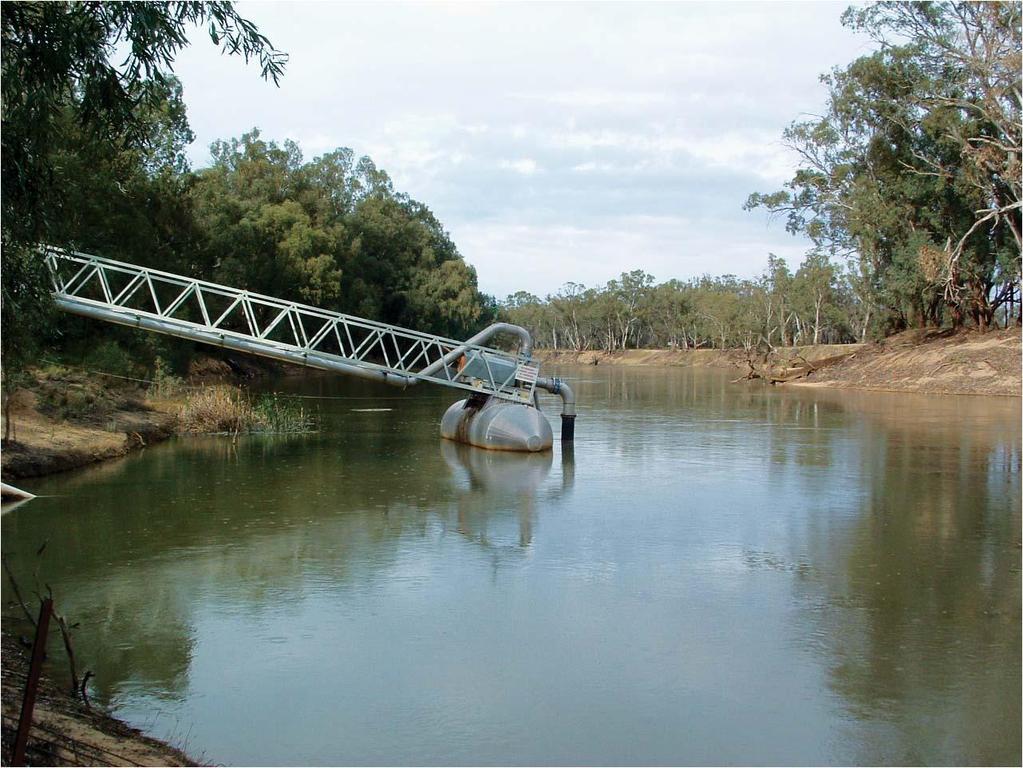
x: 929, y: 362
x: 66, y: 417
x: 64, y: 730
x: 697, y: 358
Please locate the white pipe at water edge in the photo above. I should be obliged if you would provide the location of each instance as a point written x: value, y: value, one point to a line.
x: 10, y: 493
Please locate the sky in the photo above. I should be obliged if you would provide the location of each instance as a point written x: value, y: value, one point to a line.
x: 556, y: 142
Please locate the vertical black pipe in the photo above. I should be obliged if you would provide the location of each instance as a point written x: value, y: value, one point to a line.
x: 567, y: 428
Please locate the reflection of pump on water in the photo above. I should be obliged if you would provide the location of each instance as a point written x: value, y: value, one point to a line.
x: 492, y: 472
x: 495, y: 486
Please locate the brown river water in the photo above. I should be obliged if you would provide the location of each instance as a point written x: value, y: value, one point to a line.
x: 717, y: 574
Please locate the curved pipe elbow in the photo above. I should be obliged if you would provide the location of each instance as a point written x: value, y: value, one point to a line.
x: 485, y: 335
x: 526, y: 341
x: 562, y: 389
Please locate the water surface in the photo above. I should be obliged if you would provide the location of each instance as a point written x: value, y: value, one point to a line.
x: 718, y: 573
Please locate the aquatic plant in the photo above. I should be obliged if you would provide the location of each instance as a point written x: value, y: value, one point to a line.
x: 228, y: 409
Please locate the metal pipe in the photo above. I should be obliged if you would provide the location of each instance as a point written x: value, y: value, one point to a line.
x: 309, y: 359
x: 558, y: 387
x: 367, y: 341
x: 487, y: 333
x: 228, y: 341
x: 561, y: 388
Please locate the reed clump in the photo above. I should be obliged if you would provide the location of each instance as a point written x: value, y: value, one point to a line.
x: 277, y: 413
x: 221, y: 409
x: 217, y: 409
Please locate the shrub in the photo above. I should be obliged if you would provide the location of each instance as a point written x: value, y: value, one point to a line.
x: 217, y: 409
x: 109, y: 357
x: 282, y: 414
x: 163, y: 383
x: 227, y: 409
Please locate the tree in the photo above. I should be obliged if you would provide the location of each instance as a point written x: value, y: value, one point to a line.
x: 58, y: 77
x: 331, y: 232
x: 913, y: 171
x: 670, y: 310
x: 971, y: 51
x: 777, y: 282
x: 814, y: 286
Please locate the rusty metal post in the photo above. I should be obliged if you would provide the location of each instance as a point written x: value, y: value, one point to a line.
x: 32, y: 684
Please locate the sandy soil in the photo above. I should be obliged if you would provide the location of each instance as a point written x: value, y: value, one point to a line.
x: 71, y: 420
x: 65, y: 731
x: 967, y: 363
x: 935, y: 362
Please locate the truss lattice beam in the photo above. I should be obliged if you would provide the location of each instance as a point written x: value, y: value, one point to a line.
x: 163, y: 302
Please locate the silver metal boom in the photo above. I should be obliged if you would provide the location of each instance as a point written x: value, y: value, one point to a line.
x: 215, y: 314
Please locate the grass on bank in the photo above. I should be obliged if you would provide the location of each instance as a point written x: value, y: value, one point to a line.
x: 228, y: 409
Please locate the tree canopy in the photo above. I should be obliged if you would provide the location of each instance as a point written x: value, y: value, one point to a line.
x: 64, y: 98
x: 913, y: 172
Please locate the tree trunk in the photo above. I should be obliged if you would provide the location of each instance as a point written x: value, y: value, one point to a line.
x: 817, y: 319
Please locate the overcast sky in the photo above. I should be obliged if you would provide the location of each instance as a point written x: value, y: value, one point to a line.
x: 556, y: 142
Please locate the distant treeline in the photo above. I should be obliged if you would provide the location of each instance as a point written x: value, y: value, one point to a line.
x: 812, y: 306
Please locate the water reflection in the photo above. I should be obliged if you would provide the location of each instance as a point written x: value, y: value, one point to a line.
x: 156, y: 540
x: 491, y: 484
x: 927, y: 592
x: 713, y: 573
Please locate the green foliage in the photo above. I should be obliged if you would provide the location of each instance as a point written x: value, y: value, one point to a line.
x: 164, y: 383
x: 110, y: 357
x: 281, y: 415
x: 331, y: 232
x: 816, y: 305
x: 25, y: 307
x: 913, y: 172
x: 76, y: 125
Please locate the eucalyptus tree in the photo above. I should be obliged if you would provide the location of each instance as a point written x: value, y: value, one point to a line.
x: 670, y: 313
x: 58, y: 77
x: 331, y: 232
x: 814, y: 289
x: 913, y: 171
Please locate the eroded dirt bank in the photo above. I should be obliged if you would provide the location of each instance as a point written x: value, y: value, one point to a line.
x: 929, y: 362
x: 703, y: 358
x: 935, y: 362
x: 65, y: 417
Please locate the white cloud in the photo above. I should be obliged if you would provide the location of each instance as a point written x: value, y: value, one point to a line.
x: 595, y: 97
x: 526, y: 166
x: 751, y: 152
x: 556, y: 141
x: 539, y: 258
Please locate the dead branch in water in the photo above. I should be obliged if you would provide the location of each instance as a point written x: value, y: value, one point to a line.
x: 77, y: 687
x: 17, y: 591
x: 751, y: 374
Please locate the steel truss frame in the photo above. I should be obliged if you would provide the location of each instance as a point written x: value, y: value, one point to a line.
x: 164, y: 302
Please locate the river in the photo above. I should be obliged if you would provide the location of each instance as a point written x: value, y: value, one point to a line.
x: 718, y: 573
